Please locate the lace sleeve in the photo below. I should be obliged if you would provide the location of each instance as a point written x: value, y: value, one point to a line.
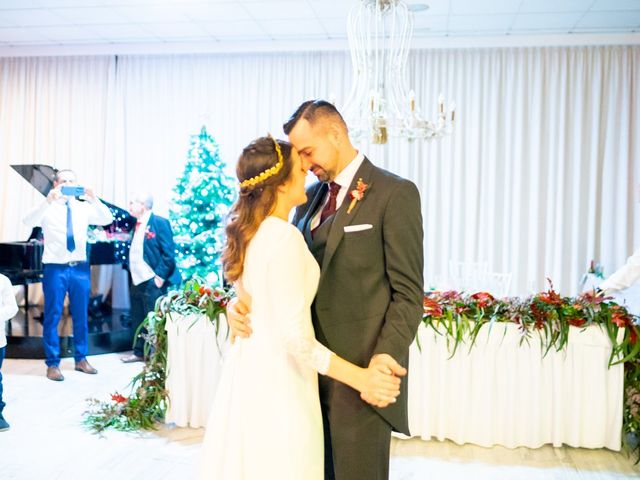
x: 290, y: 311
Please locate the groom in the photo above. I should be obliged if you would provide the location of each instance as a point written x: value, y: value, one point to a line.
x: 364, y: 227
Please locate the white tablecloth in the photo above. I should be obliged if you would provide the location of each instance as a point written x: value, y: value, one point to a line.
x: 194, y: 364
x: 503, y: 393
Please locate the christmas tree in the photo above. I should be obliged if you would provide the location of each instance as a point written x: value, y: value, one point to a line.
x: 201, y: 203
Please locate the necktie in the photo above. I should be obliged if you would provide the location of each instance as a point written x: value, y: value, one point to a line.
x: 71, y: 243
x: 329, y: 207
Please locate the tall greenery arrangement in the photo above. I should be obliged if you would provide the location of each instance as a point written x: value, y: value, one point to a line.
x: 146, y: 406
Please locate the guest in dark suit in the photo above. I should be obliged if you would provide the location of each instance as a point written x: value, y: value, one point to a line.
x: 364, y: 227
x: 152, y: 266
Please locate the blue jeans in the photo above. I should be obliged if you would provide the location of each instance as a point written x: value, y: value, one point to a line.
x: 2, y: 404
x: 57, y: 281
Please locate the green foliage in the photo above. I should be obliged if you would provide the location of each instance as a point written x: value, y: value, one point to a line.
x: 147, y: 403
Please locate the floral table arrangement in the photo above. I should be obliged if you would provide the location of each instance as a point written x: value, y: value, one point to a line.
x: 145, y: 407
x: 457, y: 316
x: 460, y: 317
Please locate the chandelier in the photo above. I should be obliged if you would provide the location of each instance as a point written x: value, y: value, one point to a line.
x: 379, y: 103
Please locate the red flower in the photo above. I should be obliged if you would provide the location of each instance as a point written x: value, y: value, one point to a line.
x: 431, y: 307
x: 149, y: 234
x: 116, y: 397
x: 483, y: 299
x: 620, y: 317
x: 201, y: 290
x: 357, y: 194
x: 550, y: 297
x: 539, y: 315
x: 576, y: 322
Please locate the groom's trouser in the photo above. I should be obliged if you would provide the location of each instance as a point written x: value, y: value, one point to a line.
x: 356, y: 439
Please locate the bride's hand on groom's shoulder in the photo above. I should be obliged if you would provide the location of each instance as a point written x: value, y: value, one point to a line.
x: 238, y: 320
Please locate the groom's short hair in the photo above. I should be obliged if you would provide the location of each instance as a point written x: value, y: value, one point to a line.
x: 313, y: 110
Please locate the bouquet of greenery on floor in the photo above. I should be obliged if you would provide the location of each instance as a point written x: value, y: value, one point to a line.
x: 146, y: 406
x: 459, y: 318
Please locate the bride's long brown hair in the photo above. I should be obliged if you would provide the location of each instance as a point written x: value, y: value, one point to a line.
x: 256, y: 201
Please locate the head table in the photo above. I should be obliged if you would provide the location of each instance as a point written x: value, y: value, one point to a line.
x: 503, y: 391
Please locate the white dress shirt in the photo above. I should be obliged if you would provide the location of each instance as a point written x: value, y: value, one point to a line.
x: 344, y: 179
x: 8, y: 306
x: 52, y: 217
x: 140, y: 270
x: 625, y: 276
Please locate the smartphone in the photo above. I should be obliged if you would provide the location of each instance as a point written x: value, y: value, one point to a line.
x: 72, y: 191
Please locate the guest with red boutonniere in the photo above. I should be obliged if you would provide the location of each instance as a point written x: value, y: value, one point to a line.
x: 151, y: 264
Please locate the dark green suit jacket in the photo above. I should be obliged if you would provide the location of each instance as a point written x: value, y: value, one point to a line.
x: 369, y: 298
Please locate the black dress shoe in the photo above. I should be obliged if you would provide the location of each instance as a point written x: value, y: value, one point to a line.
x: 85, y: 367
x: 54, y: 373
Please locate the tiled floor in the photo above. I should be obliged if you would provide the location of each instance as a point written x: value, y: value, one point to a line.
x: 47, y: 440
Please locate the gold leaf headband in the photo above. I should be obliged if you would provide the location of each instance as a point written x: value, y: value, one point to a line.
x: 269, y: 172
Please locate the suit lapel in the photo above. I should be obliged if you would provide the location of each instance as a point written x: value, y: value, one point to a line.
x: 149, y: 228
x: 342, y: 218
x: 304, y: 224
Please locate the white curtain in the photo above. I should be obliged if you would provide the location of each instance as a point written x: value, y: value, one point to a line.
x: 537, y: 179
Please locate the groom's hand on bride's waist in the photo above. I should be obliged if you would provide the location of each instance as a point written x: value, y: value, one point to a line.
x: 238, y: 320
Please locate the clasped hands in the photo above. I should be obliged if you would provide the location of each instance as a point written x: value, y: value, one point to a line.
x: 380, y: 382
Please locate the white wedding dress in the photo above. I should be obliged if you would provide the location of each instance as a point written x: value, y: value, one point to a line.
x: 265, y: 421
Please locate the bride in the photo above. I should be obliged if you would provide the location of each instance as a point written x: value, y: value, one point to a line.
x: 265, y: 422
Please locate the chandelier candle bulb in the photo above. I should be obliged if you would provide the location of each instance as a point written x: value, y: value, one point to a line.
x: 380, y: 105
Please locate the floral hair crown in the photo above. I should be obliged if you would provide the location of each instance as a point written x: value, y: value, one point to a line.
x: 269, y: 172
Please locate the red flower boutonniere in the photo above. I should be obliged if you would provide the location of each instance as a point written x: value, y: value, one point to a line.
x: 149, y: 234
x: 357, y: 194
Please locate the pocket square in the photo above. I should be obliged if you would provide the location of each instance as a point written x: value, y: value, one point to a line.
x: 357, y: 228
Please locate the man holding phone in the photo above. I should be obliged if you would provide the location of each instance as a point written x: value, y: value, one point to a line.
x: 64, y: 221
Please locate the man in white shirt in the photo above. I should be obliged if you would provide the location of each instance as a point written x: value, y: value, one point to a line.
x: 624, y: 277
x: 152, y: 265
x: 8, y: 309
x: 64, y: 221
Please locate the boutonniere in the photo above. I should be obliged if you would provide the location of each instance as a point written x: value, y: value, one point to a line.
x: 149, y: 234
x: 357, y: 194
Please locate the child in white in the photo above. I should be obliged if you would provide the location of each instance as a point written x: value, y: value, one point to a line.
x: 8, y: 309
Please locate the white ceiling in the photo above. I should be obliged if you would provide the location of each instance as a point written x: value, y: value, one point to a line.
x: 64, y: 23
